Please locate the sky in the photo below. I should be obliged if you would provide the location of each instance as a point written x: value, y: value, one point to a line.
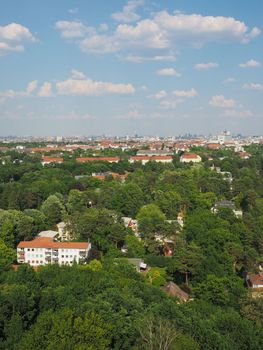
x: 131, y: 67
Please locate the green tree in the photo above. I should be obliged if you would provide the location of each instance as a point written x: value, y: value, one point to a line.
x: 53, y: 209
x: 186, y: 259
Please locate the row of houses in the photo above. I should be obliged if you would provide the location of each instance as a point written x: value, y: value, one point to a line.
x: 185, y: 158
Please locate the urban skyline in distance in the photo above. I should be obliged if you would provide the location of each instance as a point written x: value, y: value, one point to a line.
x: 133, y: 67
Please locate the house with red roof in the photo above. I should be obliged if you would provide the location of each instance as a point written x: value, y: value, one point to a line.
x: 45, y: 250
x: 146, y: 159
x: 255, y: 281
x: 50, y: 160
x: 94, y: 159
x: 190, y: 157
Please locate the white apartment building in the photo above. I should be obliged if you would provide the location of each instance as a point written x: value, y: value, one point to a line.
x: 44, y: 251
x: 190, y: 157
x: 146, y: 159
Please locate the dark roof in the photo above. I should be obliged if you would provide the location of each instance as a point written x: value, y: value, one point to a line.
x: 175, y: 291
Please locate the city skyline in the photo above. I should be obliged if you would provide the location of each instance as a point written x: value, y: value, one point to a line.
x: 127, y: 67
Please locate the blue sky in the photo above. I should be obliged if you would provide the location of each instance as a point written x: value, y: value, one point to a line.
x: 123, y: 67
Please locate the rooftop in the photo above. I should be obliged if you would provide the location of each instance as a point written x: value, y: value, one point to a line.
x: 47, y: 242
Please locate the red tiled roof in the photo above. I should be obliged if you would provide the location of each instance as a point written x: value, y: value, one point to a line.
x: 190, y: 156
x: 92, y: 159
x: 119, y: 176
x: 244, y: 154
x: 52, y: 159
x: 213, y: 146
x: 45, y: 242
x: 99, y: 177
x: 256, y: 279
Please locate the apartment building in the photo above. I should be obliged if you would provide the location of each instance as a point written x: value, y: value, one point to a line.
x: 44, y: 251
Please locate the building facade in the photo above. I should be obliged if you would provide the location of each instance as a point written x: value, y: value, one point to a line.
x: 44, y: 251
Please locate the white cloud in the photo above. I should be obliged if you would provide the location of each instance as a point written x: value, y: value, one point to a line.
x: 170, y: 104
x: 185, y: 93
x: 253, y: 86
x: 169, y: 72
x: 160, y: 94
x: 45, y: 90
x: 159, y: 34
x: 13, y: 36
x: 237, y: 113
x: 221, y: 101
x: 128, y: 13
x: 32, y: 85
x: 250, y: 63
x: 75, y: 74
x: 30, y: 88
x: 89, y: 87
x: 98, y: 43
x: 229, y: 80
x: 73, y: 29
x: 5, y: 48
x: 141, y: 59
x: 206, y: 66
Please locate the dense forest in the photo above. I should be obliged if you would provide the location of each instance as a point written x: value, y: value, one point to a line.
x: 106, y: 303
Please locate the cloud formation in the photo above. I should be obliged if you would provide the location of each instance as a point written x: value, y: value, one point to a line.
x: 162, y: 32
x: 253, y: 86
x: 168, y: 72
x: 251, y: 63
x: 222, y: 102
x: 30, y: 88
x: 73, y: 29
x: 206, y: 66
x: 185, y: 93
x: 141, y: 59
x: 45, y: 90
x: 128, y: 13
x: 160, y: 94
x: 13, y: 36
x: 84, y: 86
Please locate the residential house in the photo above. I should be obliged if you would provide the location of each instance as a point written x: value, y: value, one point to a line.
x: 255, y: 281
x: 190, y: 157
x: 93, y: 159
x: 50, y: 160
x: 45, y: 250
x: 146, y: 159
x: 227, y: 204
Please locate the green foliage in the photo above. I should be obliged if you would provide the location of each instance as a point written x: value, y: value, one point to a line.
x: 106, y: 304
x: 53, y: 209
x: 157, y: 276
x: 7, y: 255
x: 135, y: 247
